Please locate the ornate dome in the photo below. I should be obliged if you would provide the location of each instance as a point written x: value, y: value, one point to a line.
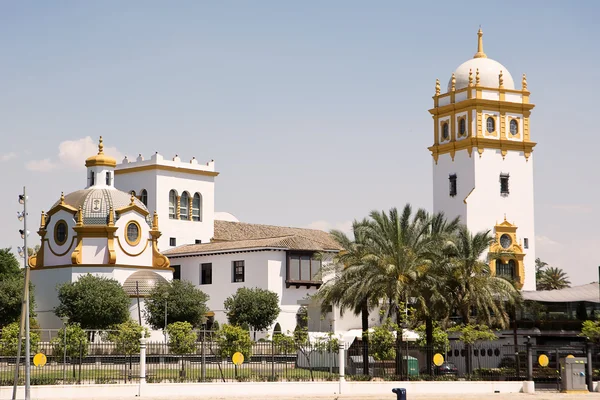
x: 489, y: 70
x: 96, y: 203
x: 146, y: 280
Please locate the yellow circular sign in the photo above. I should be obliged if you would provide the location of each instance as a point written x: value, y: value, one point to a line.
x: 39, y: 360
x: 237, y: 358
x: 438, y: 359
x: 570, y: 356
x: 543, y: 360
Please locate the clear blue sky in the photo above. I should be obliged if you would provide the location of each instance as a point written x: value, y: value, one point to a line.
x: 315, y: 112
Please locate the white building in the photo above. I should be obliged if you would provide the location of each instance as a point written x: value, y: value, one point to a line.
x: 98, y: 230
x: 483, y: 161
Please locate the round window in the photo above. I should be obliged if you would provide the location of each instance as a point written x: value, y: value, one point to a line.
x: 514, y: 127
x: 490, y: 124
x: 133, y: 233
x: 445, y: 131
x: 505, y: 241
x: 60, y: 232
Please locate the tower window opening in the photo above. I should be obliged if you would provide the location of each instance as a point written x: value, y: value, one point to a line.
x: 445, y: 131
x: 506, y: 270
x: 92, y: 178
x: 197, y: 208
x: 462, y: 126
x: 504, y: 184
x: 184, y: 204
x: 526, y: 243
x: 144, y: 197
x: 491, y: 124
x: 514, y: 127
x: 108, y: 178
x: 453, y: 190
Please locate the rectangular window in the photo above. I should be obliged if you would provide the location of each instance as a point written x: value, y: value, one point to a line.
x: 176, y: 272
x: 198, y: 241
x: 238, y: 271
x: 92, y: 181
x: 303, y: 268
x: 504, y: 184
x: 108, y: 178
x: 452, y: 179
x: 526, y: 243
x: 206, y: 274
x: 172, y: 242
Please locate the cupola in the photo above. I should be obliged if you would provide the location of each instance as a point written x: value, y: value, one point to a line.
x: 100, y: 169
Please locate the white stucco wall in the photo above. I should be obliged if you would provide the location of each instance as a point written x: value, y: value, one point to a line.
x: 53, y: 253
x: 140, y: 254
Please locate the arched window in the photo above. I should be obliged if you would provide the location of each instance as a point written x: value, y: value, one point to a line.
x: 445, y: 131
x: 172, y: 204
x: 514, y: 127
x: 184, y: 206
x: 462, y: 126
x: 197, y: 208
x: 506, y: 270
x: 92, y: 180
x: 491, y: 124
x: 144, y: 197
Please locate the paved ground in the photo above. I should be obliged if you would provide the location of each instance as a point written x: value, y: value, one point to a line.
x: 449, y: 396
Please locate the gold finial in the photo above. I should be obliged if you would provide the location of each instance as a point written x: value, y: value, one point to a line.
x: 501, y: 80
x: 505, y: 217
x: 437, y: 87
x: 43, y: 221
x: 80, y: 217
x: 453, y: 82
x: 132, y: 199
x: 111, y: 218
x: 100, y: 146
x: 524, y: 82
x: 155, y: 221
x: 470, y: 77
x: 480, y: 53
x: 477, y: 77
x: 62, y: 198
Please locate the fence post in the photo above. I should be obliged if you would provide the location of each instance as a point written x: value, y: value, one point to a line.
x: 342, y: 363
x: 529, y: 361
x: 203, y: 351
x: 272, y: 361
x: 142, y: 360
x: 589, y: 373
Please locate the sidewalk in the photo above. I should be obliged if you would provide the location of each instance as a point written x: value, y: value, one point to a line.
x: 449, y: 396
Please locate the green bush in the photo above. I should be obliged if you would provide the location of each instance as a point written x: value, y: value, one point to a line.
x: 232, y: 339
x: 9, y: 340
x: 382, y: 341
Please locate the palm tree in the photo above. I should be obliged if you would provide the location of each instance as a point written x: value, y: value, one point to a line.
x: 472, y: 286
x: 553, y: 279
x: 539, y: 267
x: 345, y: 288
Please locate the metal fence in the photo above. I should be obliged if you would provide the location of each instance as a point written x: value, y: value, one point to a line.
x: 267, y: 361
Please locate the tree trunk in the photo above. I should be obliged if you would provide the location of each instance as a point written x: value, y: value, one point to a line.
x: 429, y: 340
x: 365, y: 338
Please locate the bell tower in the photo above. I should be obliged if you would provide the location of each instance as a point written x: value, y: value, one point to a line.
x: 483, y: 161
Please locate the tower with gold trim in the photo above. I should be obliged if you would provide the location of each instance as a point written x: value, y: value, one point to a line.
x: 483, y: 161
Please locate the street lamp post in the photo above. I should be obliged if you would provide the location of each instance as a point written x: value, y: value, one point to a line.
x: 22, y: 216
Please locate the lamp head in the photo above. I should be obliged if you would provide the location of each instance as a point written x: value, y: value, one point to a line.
x: 22, y: 232
x: 20, y: 215
x: 22, y: 199
x: 21, y: 251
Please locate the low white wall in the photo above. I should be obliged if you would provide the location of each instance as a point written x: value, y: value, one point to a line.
x: 199, y: 390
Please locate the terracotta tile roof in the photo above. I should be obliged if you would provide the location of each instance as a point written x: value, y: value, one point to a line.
x: 231, y: 236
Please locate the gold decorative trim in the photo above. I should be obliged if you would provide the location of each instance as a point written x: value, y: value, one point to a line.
x: 486, y: 104
x: 133, y: 207
x: 190, y: 201
x: 481, y: 144
x: 112, y: 254
x: 465, y: 200
x: 513, y: 252
x: 95, y: 231
x: 132, y: 254
x: 139, y: 233
x: 178, y: 208
x: 166, y: 168
x: 56, y: 225
x: 159, y: 260
x: 77, y: 253
x: 99, y: 265
x: 101, y: 159
x: 65, y: 252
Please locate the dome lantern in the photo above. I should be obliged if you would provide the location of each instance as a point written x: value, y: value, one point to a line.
x: 100, y: 168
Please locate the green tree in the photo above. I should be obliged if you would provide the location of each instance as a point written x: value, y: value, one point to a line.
x: 93, y: 302
x: 126, y: 336
x: 182, y: 340
x: 383, y: 342
x: 11, y: 298
x: 9, y: 264
x: 185, y: 303
x: 553, y: 279
x: 9, y: 340
x: 255, y: 307
x: 474, y: 335
x: 440, y: 340
x: 231, y: 339
x: 539, y: 268
x: 591, y: 330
